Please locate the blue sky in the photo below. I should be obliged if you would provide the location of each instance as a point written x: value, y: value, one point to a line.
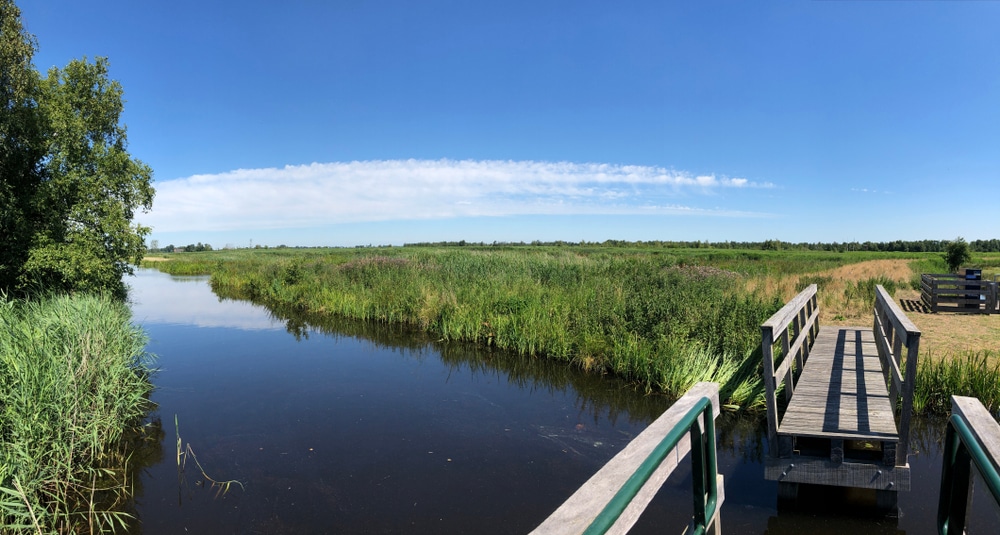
x: 346, y: 123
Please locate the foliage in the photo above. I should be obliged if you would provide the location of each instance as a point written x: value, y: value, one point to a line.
x: 73, y: 392
x: 644, y: 317
x: 69, y: 188
x: 974, y: 373
x: 957, y: 253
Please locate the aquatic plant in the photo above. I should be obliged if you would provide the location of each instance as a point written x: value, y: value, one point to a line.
x: 221, y: 486
x: 74, y: 381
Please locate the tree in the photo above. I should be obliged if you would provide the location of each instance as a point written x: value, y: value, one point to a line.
x: 69, y: 189
x: 957, y: 253
x: 21, y: 144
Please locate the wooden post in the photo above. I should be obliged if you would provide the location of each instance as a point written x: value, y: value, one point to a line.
x: 910, y: 382
x: 771, y: 401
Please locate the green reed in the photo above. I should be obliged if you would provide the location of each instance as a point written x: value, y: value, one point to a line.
x: 972, y: 373
x: 642, y: 316
x: 74, y: 385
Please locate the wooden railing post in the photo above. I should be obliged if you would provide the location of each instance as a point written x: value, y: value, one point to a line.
x: 771, y: 401
x: 795, y: 328
x: 893, y: 331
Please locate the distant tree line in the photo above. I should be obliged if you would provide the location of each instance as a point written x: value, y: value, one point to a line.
x: 189, y: 248
x: 905, y: 246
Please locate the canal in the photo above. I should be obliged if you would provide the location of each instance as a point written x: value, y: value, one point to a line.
x: 349, y: 427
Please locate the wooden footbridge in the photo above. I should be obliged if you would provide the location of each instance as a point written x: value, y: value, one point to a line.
x: 838, y: 413
x: 838, y: 402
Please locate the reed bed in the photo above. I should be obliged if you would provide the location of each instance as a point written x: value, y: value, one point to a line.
x: 74, y: 384
x: 974, y: 373
x: 653, y: 319
x: 663, y: 318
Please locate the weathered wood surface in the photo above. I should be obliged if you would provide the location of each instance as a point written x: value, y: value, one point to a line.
x: 580, y: 510
x: 801, y: 316
x: 898, y: 343
x: 842, y: 392
x: 981, y: 423
x: 822, y: 471
x: 953, y: 293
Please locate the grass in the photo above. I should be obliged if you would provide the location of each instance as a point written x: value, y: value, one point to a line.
x: 662, y: 318
x: 74, y: 381
x: 972, y: 373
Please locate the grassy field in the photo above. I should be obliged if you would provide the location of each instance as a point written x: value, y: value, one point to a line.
x: 661, y: 317
x: 73, y: 393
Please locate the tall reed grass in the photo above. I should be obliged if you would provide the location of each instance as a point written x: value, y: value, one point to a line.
x: 74, y: 384
x: 664, y: 319
x: 972, y: 373
x: 650, y: 318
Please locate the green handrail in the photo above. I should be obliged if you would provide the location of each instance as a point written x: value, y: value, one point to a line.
x: 961, y: 447
x: 703, y: 470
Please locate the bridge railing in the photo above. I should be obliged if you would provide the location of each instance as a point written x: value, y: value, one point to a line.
x: 613, y: 499
x: 897, y: 337
x: 794, y: 327
x: 973, y: 436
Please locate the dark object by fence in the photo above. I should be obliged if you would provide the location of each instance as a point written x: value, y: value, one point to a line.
x: 956, y: 293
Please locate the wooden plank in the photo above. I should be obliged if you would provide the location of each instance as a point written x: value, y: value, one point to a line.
x: 780, y: 320
x: 823, y: 471
x: 841, y: 392
x: 981, y: 423
x: 900, y: 323
x: 580, y: 510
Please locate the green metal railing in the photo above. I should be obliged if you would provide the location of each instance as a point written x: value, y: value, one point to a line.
x: 703, y: 471
x: 961, y: 449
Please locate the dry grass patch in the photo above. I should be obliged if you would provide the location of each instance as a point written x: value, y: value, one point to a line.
x: 947, y: 334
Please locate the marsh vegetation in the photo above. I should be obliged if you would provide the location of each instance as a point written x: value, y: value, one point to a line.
x: 74, y: 385
x: 663, y: 318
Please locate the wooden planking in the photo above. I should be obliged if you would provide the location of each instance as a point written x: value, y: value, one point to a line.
x: 823, y: 471
x: 981, y: 423
x: 580, y: 510
x: 841, y: 392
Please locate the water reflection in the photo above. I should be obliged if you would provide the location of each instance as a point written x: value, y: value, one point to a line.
x: 160, y: 298
x: 347, y: 426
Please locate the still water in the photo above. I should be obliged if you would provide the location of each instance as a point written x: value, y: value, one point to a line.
x: 348, y: 427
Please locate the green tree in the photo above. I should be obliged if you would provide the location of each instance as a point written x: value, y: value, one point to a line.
x: 69, y: 189
x: 22, y: 144
x: 957, y: 253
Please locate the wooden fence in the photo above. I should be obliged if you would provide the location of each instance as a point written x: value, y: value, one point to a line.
x: 795, y: 327
x: 953, y: 293
x: 898, y: 341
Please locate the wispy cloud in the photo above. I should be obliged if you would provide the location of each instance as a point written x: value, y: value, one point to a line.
x: 329, y: 193
x: 868, y: 190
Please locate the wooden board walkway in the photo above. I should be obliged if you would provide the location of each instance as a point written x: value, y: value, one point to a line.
x: 842, y: 392
x: 846, y: 417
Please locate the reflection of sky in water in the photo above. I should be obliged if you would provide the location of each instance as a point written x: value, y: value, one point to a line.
x: 157, y: 298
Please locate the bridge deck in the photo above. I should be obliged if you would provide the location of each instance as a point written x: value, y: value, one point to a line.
x: 841, y: 393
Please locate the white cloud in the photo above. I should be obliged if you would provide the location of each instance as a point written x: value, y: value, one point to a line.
x: 330, y: 193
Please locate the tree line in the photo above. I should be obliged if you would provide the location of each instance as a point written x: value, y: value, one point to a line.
x: 902, y: 246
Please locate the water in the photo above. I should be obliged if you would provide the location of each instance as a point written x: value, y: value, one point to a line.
x: 348, y: 427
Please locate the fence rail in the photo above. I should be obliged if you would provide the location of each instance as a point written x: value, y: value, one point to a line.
x: 613, y: 499
x: 897, y: 337
x: 945, y: 292
x: 973, y: 437
x: 795, y: 327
